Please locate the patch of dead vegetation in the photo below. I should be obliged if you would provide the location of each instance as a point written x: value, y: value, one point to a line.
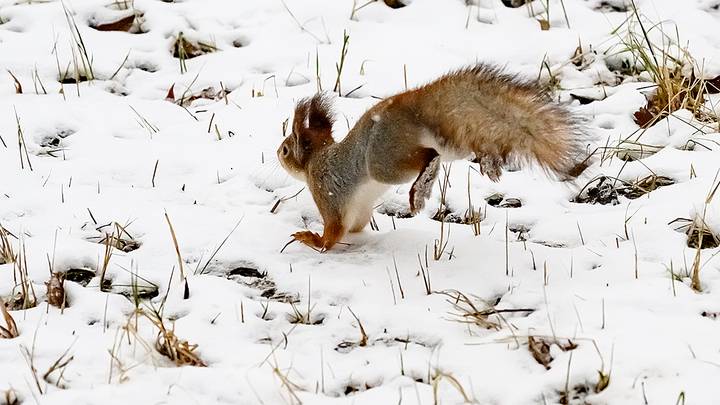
x: 606, y: 190
x: 677, y: 80
x: 473, y: 310
x: 184, y: 48
x: 209, y: 93
x: 116, y: 236
x: 406, y: 342
x: 698, y: 233
x: 539, y: 347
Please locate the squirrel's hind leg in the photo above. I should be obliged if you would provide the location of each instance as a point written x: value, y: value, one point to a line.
x: 422, y: 187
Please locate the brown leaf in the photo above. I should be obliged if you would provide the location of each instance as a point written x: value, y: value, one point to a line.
x: 540, y: 350
x: 171, y: 94
x: 11, y: 331
x: 124, y: 24
x: 577, y: 58
x: 56, y: 290
x: 394, y: 3
x: 18, y: 86
x: 643, y: 117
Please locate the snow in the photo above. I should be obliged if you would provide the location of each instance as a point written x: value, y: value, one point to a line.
x: 614, y: 279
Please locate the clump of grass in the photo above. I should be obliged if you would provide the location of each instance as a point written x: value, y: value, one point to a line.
x: 167, y: 343
x: 700, y: 236
x: 117, y: 236
x: 675, y: 75
x: 178, y: 350
x: 81, y: 59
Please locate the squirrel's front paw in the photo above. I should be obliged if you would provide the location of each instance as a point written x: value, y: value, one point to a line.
x: 308, y: 238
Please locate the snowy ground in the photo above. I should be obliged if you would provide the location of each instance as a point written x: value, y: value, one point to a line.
x: 607, y: 287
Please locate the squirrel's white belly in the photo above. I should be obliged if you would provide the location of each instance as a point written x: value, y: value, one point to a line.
x: 361, y: 204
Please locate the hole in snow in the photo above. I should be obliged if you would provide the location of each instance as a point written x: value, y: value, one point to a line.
x: 80, y: 276
x: 607, y: 125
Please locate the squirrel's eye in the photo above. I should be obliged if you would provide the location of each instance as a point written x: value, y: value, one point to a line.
x: 285, y: 150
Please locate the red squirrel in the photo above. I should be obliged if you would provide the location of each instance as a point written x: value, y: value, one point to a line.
x: 480, y: 110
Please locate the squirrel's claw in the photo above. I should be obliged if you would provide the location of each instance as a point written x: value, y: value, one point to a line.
x: 311, y: 239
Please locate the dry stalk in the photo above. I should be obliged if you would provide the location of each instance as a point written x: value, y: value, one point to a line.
x: 696, y: 266
x: 7, y: 255
x: 177, y: 248
x: 24, y: 298
x: 440, y: 245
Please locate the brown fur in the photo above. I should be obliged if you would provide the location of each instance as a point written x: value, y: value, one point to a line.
x: 479, y: 110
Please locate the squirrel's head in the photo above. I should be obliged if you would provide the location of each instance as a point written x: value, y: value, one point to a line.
x: 311, y: 132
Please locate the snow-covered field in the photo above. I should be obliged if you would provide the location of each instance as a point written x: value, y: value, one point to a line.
x: 554, y: 301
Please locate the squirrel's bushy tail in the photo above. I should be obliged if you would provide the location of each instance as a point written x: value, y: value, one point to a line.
x: 504, y: 119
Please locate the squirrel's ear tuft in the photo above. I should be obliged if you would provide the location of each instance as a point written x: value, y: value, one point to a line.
x: 301, y: 115
x: 320, y: 114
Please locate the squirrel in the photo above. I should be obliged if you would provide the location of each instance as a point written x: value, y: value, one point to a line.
x: 480, y: 110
